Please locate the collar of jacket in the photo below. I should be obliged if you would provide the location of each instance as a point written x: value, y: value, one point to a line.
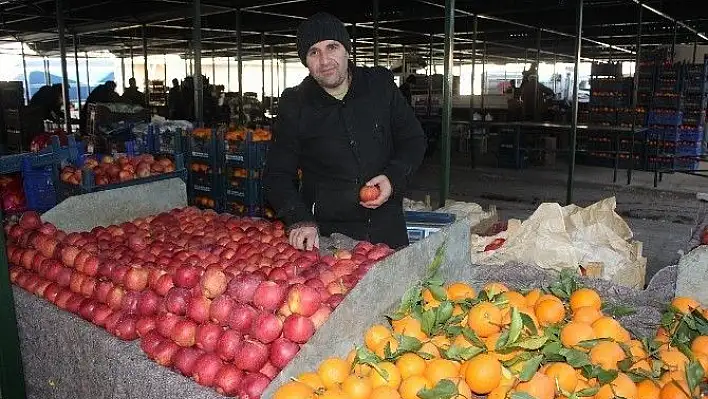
x: 315, y: 94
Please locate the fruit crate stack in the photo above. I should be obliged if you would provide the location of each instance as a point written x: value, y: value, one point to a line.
x: 610, y: 105
x: 245, y: 152
x: 691, y: 140
x: 205, y: 168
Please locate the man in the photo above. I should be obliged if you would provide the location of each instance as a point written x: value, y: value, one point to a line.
x: 407, y: 89
x: 104, y: 93
x: 49, y: 100
x: 132, y: 95
x: 174, y: 101
x: 345, y: 127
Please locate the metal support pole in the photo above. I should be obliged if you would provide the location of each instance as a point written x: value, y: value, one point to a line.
x: 635, y: 97
x: 197, y: 45
x: 673, y: 42
x: 536, y: 83
x: 24, y: 72
x: 88, y: 80
x: 695, y: 49
x: 484, y: 76
x: 272, y: 94
x: 239, y: 63
x: 447, y: 100
x: 263, y: 92
x: 376, y: 32
x: 228, y: 74
x: 277, y: 75
x: 354, y: 33
x: 213, y: 70
x: 47, y: 79
x: 474, y: 61
x: 430, y: 78
x: 132, y: 62
x: 145, y: 66
x: 574, y: 120
x: 64, y: 73
x: 122, y: 72
x: 76, y: 65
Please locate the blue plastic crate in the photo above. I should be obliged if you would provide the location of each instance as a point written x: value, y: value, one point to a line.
x: 661, y: 133
x: 688, y: 134
x: 687, y: 163
x: 169, y: 140
x: 665, y: 118
x: 689, y: 148
x: 38, y: 184
x: 246, y: 152
x: 203, y: 143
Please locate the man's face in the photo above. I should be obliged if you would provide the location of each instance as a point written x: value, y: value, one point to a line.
x: 327, y: 62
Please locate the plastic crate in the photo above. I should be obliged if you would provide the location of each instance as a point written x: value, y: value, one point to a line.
x: 688, y: 148
x: 203, y: 143
x: 167, y: 140
x: 667, y: 102
x: 238, y: 208
x: 690, y: 134
x: 249, y: 148
x: 205, y: 201
x: 38, y: 184
x: 65, y: 190
x: 687, y: 163
x: 201, y: 173
x: 665, y: 118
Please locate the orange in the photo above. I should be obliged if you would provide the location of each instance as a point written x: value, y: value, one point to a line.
x: 410, y: 364
x: 636, y: 348
x: 483, y: 373
x: 460, y: 291
x: 375, y: 335
x: 498, y: 393
x: 462, y: 342
x: 493, y: 289
x: 294, y: 390
x: 549, y: 312
x: 586, y: 314
x: 407, y: 325
x: 441, y: 341
x: 430, y: 349
x: 532, y: 297
x: 333, y: 393
x: 607, y: 327
x: 643, y: 365
x: 361, y: 370
x: 674, y: 390
x: 585, y: 297
x: 673, y: 359
x: 312, y: 380
x: 463, y: 390
x: 700, y: 345
x: 620, y: 387
x: 440, y: 369
x: 564, y: 374
x: 703, y: 360
x: 648, y: 389
x: 333, y: 371
x: 540, y: 386
x: 391, y: 377
x: 685, y: 304
x: 662, y: 336
x: 429, y: 298
x: 356, y: 387
x: 669, y: 376
x: 412, y: 385
x: 514, y: 299
x: 484, y: 319
x: 385, y: 392
x: 380, y: 349
x: 606, y: 354
x: 576, y: 332
x: 549, y: 297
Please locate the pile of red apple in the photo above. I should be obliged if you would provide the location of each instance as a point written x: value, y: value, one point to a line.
x: 112, y: 170
x: 223, y: 300
x: 704, y: 236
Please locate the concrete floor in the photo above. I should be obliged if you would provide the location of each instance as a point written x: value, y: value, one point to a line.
x: 663, y: 218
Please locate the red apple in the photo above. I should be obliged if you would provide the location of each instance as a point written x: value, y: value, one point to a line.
x: 269, y: 295
x: 266, y: 327
x: 242, y: 287
x: 184, y: 333
x: 208, y: 335
x: 303, y: 300
x: 320, y: 317
x: 136, y: 279
x: 252, y: 386
x: 242, y: 317
x: 282, y: 351
x: 213, y: 282
x: 176, y: 301
x: 251, y: 356
x: 198, y: 308
x: 228, y: 380
x: 228, y: 345
x: 220, y: 309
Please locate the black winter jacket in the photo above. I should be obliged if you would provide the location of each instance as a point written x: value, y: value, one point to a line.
x: 340, y: 145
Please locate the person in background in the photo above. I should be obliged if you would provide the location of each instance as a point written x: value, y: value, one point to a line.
x: 104, y: 93
x: 49, y: 101
x: 407, y: 89
x: 345, y: 127
x: 175, y: 102
x: 132, y: 95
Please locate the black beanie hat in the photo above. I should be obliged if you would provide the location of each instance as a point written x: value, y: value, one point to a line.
x: 319, y: 27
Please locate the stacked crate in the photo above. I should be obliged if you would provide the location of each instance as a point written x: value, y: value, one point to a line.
x: 244, y: 157
x: 690, y: 139
x: 18, y: 123
x: 204, y: 166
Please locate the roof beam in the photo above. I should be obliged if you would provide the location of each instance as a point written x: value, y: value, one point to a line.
x: 674, y: 20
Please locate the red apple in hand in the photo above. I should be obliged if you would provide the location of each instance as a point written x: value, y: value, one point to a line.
x: 369, y: 193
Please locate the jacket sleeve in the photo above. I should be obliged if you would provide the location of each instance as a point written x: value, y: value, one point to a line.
x: 281, y: 166
x: 408, y: 140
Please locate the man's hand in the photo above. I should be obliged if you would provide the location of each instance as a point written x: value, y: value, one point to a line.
x: 385, y: 190
x: 305, y: 237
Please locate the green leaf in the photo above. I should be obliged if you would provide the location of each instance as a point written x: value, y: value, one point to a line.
x: 625, y: 364
x: 438, y: 292
x: 453, y: 330
x: 427, y: 322
x: 590, y: 343
x: 407, y: 344
x: 532, y: 343
x: 460, y: 354
x: 614, y: 310
x: 387, y: 350
x: 694, y: 375
x: 529, y: 324
x: 530, y: 368
x: 434, y: 266
x: 365, y: 356
x: 576, y: 358
x: 501, y: 341
x: 472, y: 337
x: 411, y: 297
x: 521, y: 395
x: 444, y: 312
x: 606, y: 376
x: 587, y: 392
x: 425, y: 355
x: 515, y: 327
x: 445, y: 389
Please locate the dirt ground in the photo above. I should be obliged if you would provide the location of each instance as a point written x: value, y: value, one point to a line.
x: 663, y: 218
